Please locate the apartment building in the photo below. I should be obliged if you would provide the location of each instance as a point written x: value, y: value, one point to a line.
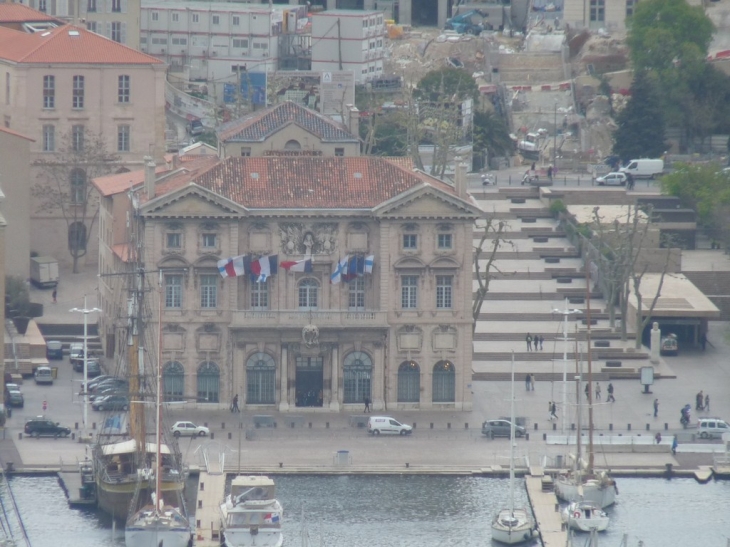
x: 15, y: 202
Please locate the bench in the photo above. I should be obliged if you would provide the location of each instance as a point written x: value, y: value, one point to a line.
x: 540, y: 239
x: 576, y: 300
x: 263, y: 420
x: 613, y: 364
x: 564, y: 279
x: 517, y: 200
x: 359, y: 421
x: 552, y: 260
x: 593, y: 321
x: 602, y: 344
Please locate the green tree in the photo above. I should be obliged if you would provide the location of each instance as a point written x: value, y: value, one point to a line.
x: 640, y: 132
x: 455, y: 84
x: 491, y: 135
x: 17, y: 297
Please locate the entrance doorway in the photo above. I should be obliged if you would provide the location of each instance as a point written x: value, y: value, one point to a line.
x: 309, y: 381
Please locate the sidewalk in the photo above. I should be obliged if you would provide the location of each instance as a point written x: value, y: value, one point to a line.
x: 70, y: 294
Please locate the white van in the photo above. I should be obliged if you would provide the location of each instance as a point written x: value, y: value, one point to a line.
x: 43, y: 375
x: 644, y: 168
x: 387, y: 425
x: 710, y: 428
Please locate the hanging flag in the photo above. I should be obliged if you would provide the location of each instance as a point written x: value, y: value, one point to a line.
x: 298, y: 265
x: 339, y: 269
x: 369, y: 261
x: 350, y: 272
x: 264, y: 267
x: 231, y: 267
x: 271, y: 518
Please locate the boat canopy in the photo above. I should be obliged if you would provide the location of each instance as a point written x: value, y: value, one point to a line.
x: 129, y: 447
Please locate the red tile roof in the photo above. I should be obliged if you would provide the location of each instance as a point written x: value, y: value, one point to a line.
x: 18, y: 13
x: 11, y: 132
x: 68, y: 44
x: 117, y: 183
x: 304, y: 182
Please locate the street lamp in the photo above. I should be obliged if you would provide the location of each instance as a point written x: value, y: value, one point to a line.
x: 86, y: 311
x: 565, y: 312
x: 555, y: 138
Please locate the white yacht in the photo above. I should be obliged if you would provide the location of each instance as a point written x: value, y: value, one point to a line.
x: 252, y: 514
x: 585, y: 516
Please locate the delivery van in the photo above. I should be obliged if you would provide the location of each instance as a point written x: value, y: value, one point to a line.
x: 644, y: 168
x: 43, y: 375
x: 387, y: 425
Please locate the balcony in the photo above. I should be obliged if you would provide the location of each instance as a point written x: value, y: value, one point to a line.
x: 298, y: 319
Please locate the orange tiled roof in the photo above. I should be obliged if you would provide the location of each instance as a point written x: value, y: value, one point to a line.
x: 303, y: 182
x: 11, y: 132
x: 68, y: 44
x: 110, y: 185
x: 18, y: 13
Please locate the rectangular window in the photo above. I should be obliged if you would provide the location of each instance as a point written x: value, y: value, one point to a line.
x: 246, y: 151
x: 259, y: 296
x: 444, y: 291
x: 630, y: 6
x: 7, y: 88
x: 240, y: 43
x: 216, y: 19
x: 236, y: 20
x: 155, y: 16
x: 91, y: 6
x: 116, y: 6
x: 77, y: 138
x: 42, y: 5
x: 175, y: 17
x: 123, y: 138
x: 209, y: 240
x: 173, y: 241
x: 173, y: 291
x: 598, y: 11
x: 49, y: 92
x: 444, y: 241
x: 357, y: 294
x: 410, y: 241
x: 409, y: 292
x: 339, y: 152
x: 209, y: 291
x: 123, y: 89
x: 196, y: 18
x: 91, y: 26
x: 78, y: 92
x: 49, y: 138
x: 117, y: 32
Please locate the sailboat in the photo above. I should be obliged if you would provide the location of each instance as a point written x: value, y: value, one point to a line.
x: 157, y: 524
x: 587, y: 484
x: 513, y: 526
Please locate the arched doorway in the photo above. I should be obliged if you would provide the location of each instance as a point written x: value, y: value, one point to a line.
x: 260, y: 379
x: 409, y: 382
x: 208, y: 382
x: 357, y: 377
x: 309, y: 381
x: 173, y: 381
x: 444, y: 382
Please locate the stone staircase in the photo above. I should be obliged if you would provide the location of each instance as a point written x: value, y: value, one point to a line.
x: 68, y: 333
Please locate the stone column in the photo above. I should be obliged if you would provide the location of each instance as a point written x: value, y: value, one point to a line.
x: 284, y: 380
x: 334, y: 378
x: 655, y: 343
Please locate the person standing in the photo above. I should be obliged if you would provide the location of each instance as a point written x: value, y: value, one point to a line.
x: 674, y: 445
x: 536, y: 341
x: 528, y: 339
x: 366, y: 400
x: 610, y: 398
x: 588, y: 391
x: 527, y: 382
x: 656, y: 407
x: 550, y: 173
x: 234, y: 405
x: 598, y: 391
x: 542, y: 341
x: 54, y: 294
x: 553, y: 410
x: 707, y: 402
x: 658, y: 437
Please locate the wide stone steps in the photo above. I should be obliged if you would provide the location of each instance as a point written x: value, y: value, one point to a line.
x: 501, y: 317
x: 539, y: 376
x: 599, y: 354
x: 559, y: 295
x: 549, y: 336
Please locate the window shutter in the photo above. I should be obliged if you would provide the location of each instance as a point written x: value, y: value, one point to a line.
x: 123, y: 33
x: 108, y: 30
x: 108, y: 8
x: 124, y: 9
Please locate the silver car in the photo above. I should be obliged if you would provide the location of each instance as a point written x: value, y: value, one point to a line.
x: 612, y: 179
x: 501, y: 428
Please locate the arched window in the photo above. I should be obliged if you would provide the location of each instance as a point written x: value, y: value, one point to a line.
x: 409, y: 382
x: 209, y: 376
x: 260, y: 379
x: 77, y: 236
x: 78, y: 186
x: 292, y: 145
x: 173, y: 381
x: 444, y: 382
x: 308, y: 294
x: 358, y: 372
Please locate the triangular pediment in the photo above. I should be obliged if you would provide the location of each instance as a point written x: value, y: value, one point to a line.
x: 192, y: 201
x: 427, y: 202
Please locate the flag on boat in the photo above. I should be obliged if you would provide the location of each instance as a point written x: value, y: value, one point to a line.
x: 297, y: 265
x: 113, y: 423
x: 369, y: 261
x: 271, y: 518
x: 264, y: 267
x: 340, y: 268
x: 231, y: 267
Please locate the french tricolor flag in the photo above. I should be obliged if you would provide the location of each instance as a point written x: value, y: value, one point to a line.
x: 264, y: 267
x: 231, y: 267
x: 297, y: 265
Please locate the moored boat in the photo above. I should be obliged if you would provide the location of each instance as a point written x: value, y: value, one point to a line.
x: 251, y: 513
x: 585, y: 516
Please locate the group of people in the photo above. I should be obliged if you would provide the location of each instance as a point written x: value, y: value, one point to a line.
x: 702, y: 401
x: 609, y: 399
x: 537, y: 340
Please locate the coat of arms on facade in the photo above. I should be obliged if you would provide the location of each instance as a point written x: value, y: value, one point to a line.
x: 310, y: 335
x: 317, y: 239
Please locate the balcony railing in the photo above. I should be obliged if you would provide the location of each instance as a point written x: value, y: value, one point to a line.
x: 300, y: 318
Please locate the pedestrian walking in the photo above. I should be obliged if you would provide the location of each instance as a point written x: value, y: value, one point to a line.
x: 610, y: 398
x: 629, y: 181
x: 674, y: 445
x: 658, y: 437
x: 528, y: 381
x: 536, y: 341
x: 656, y: 407
x: 707, y: 402
x: 553, y: 409
x: 234, y: 404
x: 54, y: 294
x: 550, y: 172
x: 542, y: 341
x: 699, y: 401
x: 528, y: 339
x: 588, y: 391
x: 598, y: 391
x: 532, y: 382
x: 366, y: 400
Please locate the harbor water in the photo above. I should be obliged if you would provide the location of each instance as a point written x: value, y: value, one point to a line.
x: 408, y: 511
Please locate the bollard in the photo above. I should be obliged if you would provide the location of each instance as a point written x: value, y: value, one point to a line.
x: 202, y: 486
x: 76, y: 426
x: 555, y: 427
x: 527, y: 436
x: 223, y: 425
x: 448, y: 425
x: 414, y: 425
x: 73, y: 436
x: 629, y: 427
x: 205, y: 424
x: 544, y: 436
x: 281, y: 464
x: 20, y: 436
x: 93, y: 425
x: 326, y: 425
x: 310, y: 425
x: 535, y: 426
x: 407, y: 465
x: 669, y: 469
x: 229, y: 435
x: 572, y: 427
x: 212, y: 435
x: 431, y: 425
x: 647, y: 427
x: 466, y: 425
x: 666, y: 426
x: 610, y: 427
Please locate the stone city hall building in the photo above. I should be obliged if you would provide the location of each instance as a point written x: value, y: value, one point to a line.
x: 400, y: 336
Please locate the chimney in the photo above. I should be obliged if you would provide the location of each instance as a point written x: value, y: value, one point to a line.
x: 460, y: 178
x: 149, y: 176
x: 353, y: 120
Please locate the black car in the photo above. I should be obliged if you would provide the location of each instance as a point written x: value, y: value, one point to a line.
x: 92, y: 365
x: 14, y: 398
x: 111, y: 402
x: 43, y: 427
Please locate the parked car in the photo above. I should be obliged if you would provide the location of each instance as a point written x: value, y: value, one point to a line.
x: 76, y: 349
x: 54, y: 349
x: 387, y: 425
x: 99, y: 379
x: 712, y: 428
x: 190, y: 429
x: 79, y: 363
x: 501, y: 428
x: 110, y: 390
x: 109, y: 382
x: 93, y: 368
x: 14, y: 398
x: 111, y: 402
x: 196, y: 127
x: 43, y: 375
x: 77, y: 358
x: 43, y: 427
x: 612, y: 179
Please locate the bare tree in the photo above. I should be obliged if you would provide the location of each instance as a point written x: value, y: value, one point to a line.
x: 493, y: 238
x: 64, y: 187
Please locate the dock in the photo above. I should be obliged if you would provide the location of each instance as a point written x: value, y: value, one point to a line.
x: 546, y: 509
x: 211, y: 489
x: 78, y: 493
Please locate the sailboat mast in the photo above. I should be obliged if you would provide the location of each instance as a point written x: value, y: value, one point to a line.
x: 136, y: 406
x: 158, y: 403
x: 512, y: 442
x: 590, y: 367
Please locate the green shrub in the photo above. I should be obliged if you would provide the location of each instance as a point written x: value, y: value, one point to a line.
x: 557, y: 207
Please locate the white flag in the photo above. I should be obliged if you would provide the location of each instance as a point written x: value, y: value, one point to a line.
x: 340, y: 267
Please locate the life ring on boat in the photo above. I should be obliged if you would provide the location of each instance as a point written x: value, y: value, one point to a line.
x: 576, y: 514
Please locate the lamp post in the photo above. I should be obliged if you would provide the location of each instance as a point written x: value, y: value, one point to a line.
x: 555, y: 137
x: 86, y: 311
x: 565, y: 312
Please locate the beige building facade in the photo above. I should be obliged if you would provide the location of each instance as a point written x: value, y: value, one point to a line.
x: 15, y: 204
x: 398, y: 332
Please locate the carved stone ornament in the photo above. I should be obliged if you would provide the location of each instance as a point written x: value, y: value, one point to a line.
x: 291, y: 235
x: 325, y: 238
x: 310, y: 335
